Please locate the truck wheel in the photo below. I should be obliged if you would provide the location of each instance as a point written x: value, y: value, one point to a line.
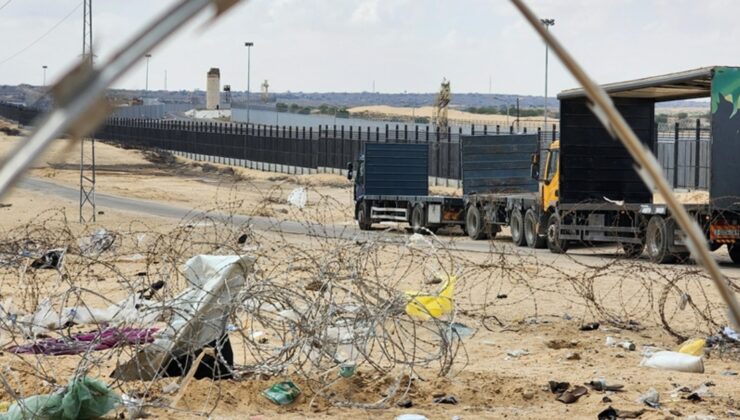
x: 363, y: 218
x: 534, y: 240
x: 657, y: 241
x: 516, y: 224
x: 632, y: 250
x: 554, y: 243
x: 417, y: 219
x: 474, y: 224
x: 734, y: 251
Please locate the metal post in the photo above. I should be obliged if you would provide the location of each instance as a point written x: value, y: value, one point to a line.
x: 547, y: 23
x: 148, y: 56
x: 249, y: 46
x: 675, y: 158
x: 697, y: 155
x: 44, y: 67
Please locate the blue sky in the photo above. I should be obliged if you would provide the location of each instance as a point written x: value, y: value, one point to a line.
x: 403, y: 45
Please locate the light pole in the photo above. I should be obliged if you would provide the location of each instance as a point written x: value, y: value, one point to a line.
x: 44, y: 67
x: 148, y: 56
x: 249, y: 46
x: 547, y: 23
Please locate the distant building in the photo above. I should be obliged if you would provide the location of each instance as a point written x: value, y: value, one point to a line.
x: 213, y: 89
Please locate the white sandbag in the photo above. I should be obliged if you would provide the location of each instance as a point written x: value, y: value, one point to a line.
x: 673, y: 360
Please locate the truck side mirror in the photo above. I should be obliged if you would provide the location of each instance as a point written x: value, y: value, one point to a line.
x: 534, y: 169
x: 349, y: 170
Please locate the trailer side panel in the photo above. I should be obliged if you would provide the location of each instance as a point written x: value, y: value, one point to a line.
x: 498, y: 164
x: 594, y: 165
x: 396, y: 169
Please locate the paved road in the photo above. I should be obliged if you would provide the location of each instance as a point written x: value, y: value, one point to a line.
x: 152, y: 208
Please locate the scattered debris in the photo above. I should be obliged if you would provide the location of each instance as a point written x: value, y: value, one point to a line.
x: 569, y: 397
x: 729, y: 373
x: 558, y: 387
x: 606, y: 399
x: 406, y: 403
x: 411, y: 417
x: 2, y: 205
x: 671, y: 360
x: 651, y: 398
x: 214, y: 285
x: 517, y: 353
x: 82, y: 398
x: 83, y: 342
x: 590, y: 327
x: 282, y: 393
x: 423, y: 307
x: 573, y: 356
x: 614, y: 414
x: 96, y: 243
x: 53, y: 259
x: 601, y: 385
x: 462, y: 330
x: 298, y: 197
x: 693, y: 347
x: 447, y: 399
x: 502, y: 296
x: 558, y: 344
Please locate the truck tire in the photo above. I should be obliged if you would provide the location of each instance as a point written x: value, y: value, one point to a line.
x: 554, y: 243
x: 474, y: 224
x: 363, y: 218
x: 734, y: 251
x: 656, y: 239
x: 516, y: 224
x: 417, y: 219
x: 533, y: 237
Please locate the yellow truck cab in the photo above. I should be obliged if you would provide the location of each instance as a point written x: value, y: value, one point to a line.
x: 551, y: 180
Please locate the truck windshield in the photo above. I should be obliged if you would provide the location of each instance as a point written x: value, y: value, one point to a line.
x: 552, y: 164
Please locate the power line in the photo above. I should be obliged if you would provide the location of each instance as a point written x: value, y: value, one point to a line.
x: 6, y: 3
x: 24, y: 49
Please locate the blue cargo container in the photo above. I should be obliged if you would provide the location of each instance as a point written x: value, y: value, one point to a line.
x: 392, y: 184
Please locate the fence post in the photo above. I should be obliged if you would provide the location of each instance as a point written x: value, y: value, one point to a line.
x: 485, y: 129
x: 427, y: 135
x: 416, y: 133
x: 511, y: 129
x: 675, y: 155
x: 377, y: 134
x: 697, y: 154
x: 405, y: 132
x: 553, y: 132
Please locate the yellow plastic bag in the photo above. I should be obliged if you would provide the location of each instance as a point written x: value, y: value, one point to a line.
x: 693, y: 347
x: 423, y: 307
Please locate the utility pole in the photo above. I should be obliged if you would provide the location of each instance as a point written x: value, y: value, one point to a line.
x: 87, y: 163
x: 249, y: 46
x: 547, y: 23
x: 44, y: 67
x: 146, y: 86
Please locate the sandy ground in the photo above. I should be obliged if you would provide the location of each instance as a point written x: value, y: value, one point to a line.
x: 452, y: 114
x: 198, y: 185
x: 536, y: 297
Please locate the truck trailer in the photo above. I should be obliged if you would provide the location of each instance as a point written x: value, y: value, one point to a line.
x: 391, y: 183
x: 602, y: 196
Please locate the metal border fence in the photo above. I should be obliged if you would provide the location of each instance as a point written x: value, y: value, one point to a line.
x: 683, y: 151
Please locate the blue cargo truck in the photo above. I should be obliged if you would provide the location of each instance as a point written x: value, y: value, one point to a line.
x: 392, y: 184
x: 500, y: 188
